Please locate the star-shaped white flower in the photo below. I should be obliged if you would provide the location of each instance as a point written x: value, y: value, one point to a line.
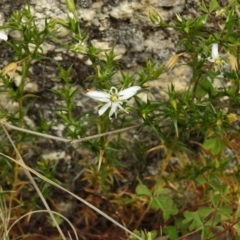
x: 113, y: 99
x: 216, y: 58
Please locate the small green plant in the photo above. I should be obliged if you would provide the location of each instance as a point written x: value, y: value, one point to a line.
x: 160, y: 199
x: 145, y: 235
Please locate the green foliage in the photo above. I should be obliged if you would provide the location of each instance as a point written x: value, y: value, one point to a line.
x: 215, y: 145
x: 159, y: 200
x: 145, y: 235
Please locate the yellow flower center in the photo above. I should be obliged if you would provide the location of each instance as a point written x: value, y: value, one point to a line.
x: 114, y: 94
x: 218, y: 62
x: 114, y: 98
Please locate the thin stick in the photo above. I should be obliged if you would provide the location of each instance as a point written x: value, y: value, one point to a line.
x: 65, y: 139
x: 104, y: 134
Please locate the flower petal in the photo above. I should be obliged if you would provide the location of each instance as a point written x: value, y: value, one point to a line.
x: 215, y: 54
x: 99, y: 95
x: 113, y: 109
x: 104, y: 108
x: 128, y: 92
x: 211, y: 60
x: 120, y: 106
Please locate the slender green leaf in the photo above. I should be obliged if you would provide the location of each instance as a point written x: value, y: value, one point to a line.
x: 203, y: 7
x: 213, y: 5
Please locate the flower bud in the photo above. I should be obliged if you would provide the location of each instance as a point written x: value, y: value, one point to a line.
x: 155, y: 17
x: 232, y: 117
x: 71, y: 6
x: 3, y: 35
x: 179, y: 17
x: 173, y: 103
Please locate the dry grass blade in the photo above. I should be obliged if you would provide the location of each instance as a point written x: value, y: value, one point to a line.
x: 4, y: 217
x: 40, y: 211
x: 22, y: 164
x: 26, y: 171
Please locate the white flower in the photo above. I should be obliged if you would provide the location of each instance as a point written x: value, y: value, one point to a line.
x: 3, y: 35
x: 216, y: 58
x: 113, y: 99
x: 221, y: 13
x: 215, y: 54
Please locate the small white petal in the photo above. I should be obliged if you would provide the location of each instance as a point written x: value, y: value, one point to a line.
x: 215, y: 54
x: 98, y: 95
x: 113, y: 90
x: 120, y: 106
x: 3, y: 36
x: 211, y: 60
x: 104, y: 108
x: 113, y: 109
x: 128, y: 92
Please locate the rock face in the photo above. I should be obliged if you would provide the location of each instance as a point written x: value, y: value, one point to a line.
x: 122, y: 23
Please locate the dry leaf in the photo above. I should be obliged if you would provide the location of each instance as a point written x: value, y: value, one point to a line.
x: 232, y: 61
x: 10, y: 69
